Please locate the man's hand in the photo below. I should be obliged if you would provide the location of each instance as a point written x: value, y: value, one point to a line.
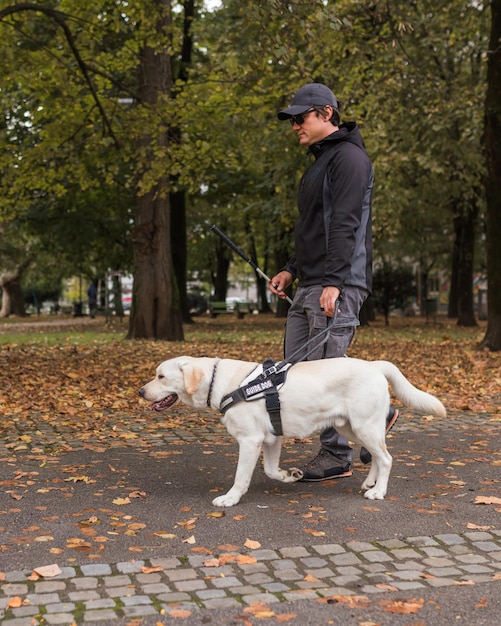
x: 328, y: 300
x: 279, y: 283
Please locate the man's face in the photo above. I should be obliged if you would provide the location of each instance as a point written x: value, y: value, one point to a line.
x: 313, y: 128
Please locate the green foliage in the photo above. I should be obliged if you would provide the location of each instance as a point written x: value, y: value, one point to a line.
x: 411, y: 74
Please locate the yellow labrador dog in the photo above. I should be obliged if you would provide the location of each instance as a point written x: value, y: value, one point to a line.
x: 350, y: 394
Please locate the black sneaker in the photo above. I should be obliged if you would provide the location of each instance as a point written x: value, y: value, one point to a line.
x: 365, y: 455
x: 325, y: 466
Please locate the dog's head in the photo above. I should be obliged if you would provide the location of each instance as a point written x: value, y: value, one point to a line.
x: 178, y: 379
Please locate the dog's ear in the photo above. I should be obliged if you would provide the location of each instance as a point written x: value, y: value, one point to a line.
x: 193, y: 376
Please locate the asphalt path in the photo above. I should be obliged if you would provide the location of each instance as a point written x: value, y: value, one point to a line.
x: 440, y: 467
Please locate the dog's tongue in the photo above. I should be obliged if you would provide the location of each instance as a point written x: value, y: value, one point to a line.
x: 161, y: 405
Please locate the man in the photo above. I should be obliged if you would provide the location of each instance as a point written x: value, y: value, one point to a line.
x: 333, y: 250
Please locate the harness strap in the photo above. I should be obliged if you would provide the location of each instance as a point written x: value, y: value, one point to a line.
x: 264, y: 385
x: 273, y: 407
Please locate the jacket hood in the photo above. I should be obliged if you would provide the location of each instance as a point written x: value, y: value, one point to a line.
x: 347, y: 132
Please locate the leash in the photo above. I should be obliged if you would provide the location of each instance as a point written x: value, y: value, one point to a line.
x: 290, y: 361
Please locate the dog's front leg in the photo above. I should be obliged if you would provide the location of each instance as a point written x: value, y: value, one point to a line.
x: 271, y: 458
x: 249, y: 450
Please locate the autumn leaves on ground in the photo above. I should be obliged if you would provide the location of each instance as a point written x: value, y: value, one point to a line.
x: 73, y: 384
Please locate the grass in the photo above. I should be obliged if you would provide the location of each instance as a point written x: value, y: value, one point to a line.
x: 50, y: 330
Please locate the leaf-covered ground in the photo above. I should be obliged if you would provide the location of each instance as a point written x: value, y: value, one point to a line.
x: 90, y: 379
x: 87, y: 472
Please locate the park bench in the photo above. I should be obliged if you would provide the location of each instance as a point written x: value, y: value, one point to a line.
x: 238, y: 308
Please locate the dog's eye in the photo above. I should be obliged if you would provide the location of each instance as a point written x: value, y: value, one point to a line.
x: 160, y: 376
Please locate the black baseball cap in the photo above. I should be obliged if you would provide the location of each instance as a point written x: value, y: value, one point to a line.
x: 311, y: 95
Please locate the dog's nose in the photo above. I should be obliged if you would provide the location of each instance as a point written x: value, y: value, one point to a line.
x: 141, y: 392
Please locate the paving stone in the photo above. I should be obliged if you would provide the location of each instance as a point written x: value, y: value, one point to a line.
x: 222, y: 603
x: 331, y: 548
x: 155, y: 588
x: 221, y: 583
x: 408, y: 586
x: 487, y: 546
x: 102, y: 603
x: 393, y: 544
x: 83, y: 596
x: 49, y: 586
x: 440, y: 582
x: 444, y: 571
x: 62, y: 607
x: 23, y: 611
x: 43, y: 598
x: 478, y: 536
x: 104, y: 615
x: 192, y: 585
x: 451, y: 539
x: 361, y: 546
x: 96, y: 569
x: 59, y: 618
x: 421, y: 542
x: 349, y: 558
x: 117, y: 581
x: 129, y: 567
x: 406, y: 553
x: 207, y: 594
x: 275, y: 587
x: 288, y: 574
x: 477, y: 569
x: 265, y: 598
x: 14, y: 589
x: 281, y: 564
x: 313, y: 562
x: 85, y: 583
x: 166, y: 564
x: 174, y: 596
x: 264, y: 555
x: 139, y: 611
x: 259, y: 579
x: 377, y: 556
x: 181, y: 574
x: 471, y: 558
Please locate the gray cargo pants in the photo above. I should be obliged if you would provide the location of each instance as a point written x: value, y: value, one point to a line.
x: 305, y: 319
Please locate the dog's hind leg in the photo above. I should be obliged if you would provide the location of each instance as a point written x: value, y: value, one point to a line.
x: 271, y: 458
x: 249, y: 450
x: 376, y: 483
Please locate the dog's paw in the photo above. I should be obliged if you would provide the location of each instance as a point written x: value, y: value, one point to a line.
x: 296, y: 473
x: 226, y: 500
x: 374, y: 494
x: 367, y: 484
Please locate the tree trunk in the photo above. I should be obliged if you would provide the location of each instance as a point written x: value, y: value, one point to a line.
x: 465, y: 232
x: 178, y: 243
x: 178, y: 196
x: 12, y: 294
x: 492, y: 339
x: 156, y: 311
x: 220, y: 277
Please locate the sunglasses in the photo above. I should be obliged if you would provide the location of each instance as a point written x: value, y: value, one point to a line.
x: 299, y: 119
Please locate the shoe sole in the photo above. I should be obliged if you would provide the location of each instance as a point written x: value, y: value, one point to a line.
x: 318, y: 480
x: 393, y: 421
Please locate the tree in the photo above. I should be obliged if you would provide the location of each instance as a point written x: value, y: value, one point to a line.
x: 492, y: 124
x: 103, y: 41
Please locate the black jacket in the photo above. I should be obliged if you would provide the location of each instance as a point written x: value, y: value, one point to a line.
x: 333, y: 234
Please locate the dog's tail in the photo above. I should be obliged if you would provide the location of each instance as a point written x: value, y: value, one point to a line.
x: 407, y: 393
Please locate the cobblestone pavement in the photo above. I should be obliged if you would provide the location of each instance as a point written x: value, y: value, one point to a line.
x: 107, y: 592
x: 245, y: 586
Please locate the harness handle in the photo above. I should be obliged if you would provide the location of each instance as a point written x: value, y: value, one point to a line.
x: 318, y: 344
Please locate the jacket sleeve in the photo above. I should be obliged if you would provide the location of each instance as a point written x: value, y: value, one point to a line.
x: 291, y: 267
x: 345, y: 187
